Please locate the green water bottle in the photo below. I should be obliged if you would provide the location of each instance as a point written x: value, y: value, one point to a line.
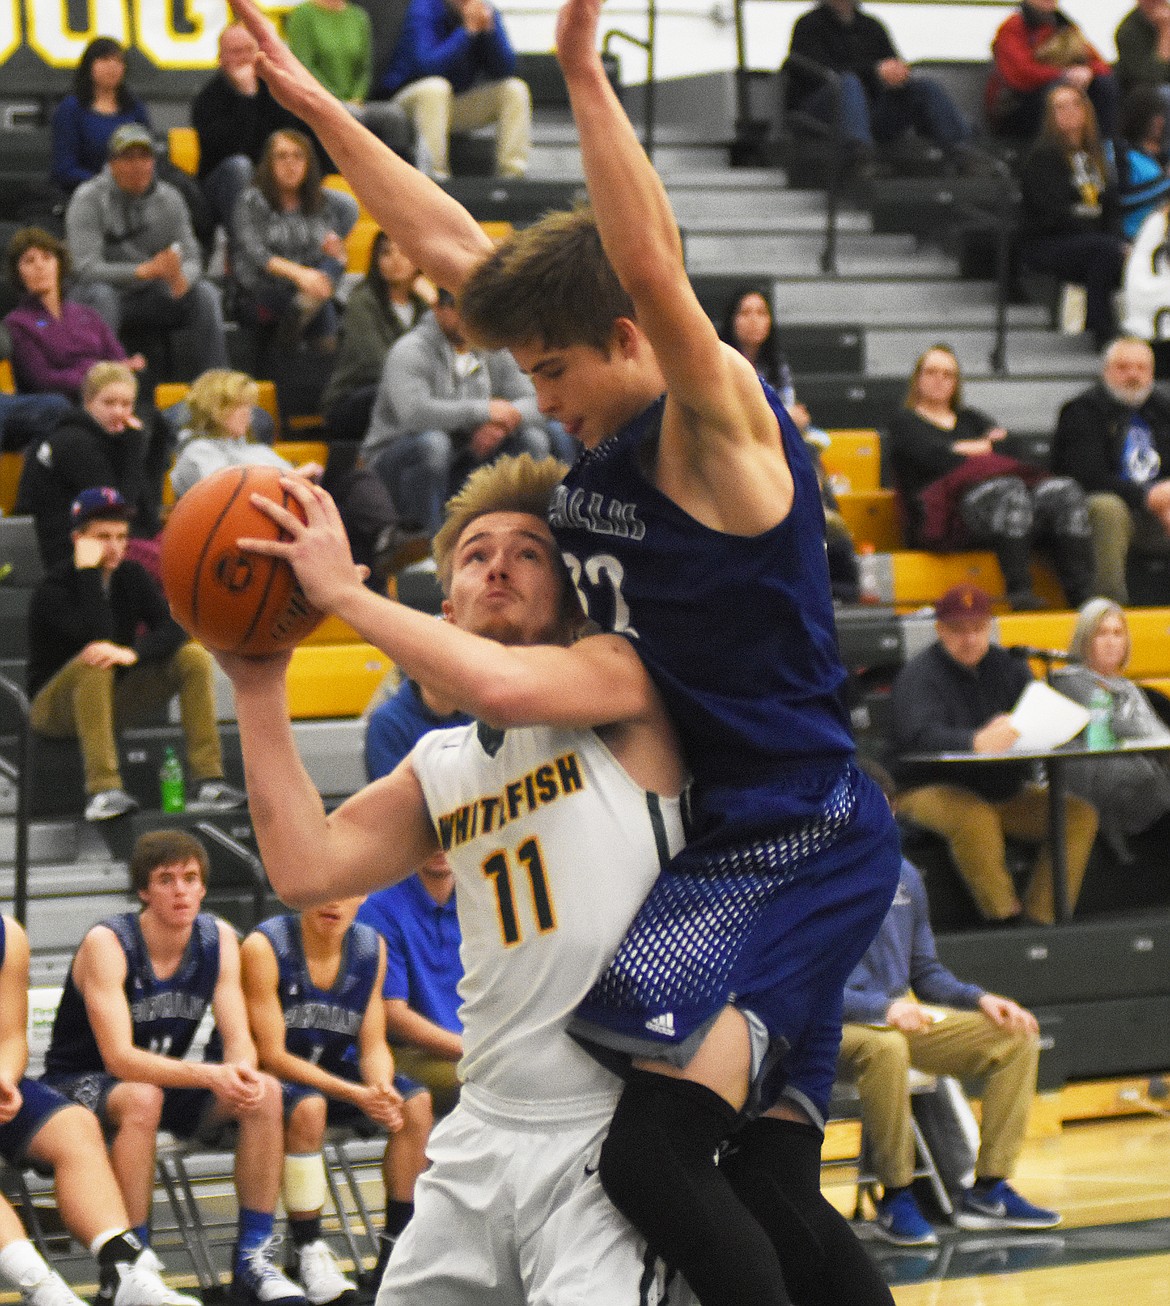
x: 172, y: 790
x: 1100, y: 729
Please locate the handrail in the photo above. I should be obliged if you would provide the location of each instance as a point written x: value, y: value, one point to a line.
x: 648, y: 44
x: 21, y: 777
x: 836, y: 140
x: 252, y: 863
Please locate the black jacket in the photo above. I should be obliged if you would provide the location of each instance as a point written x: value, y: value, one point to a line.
x: 1051, y: 204
x: 856, y: 47
x: 938, y: 707
x: 71, y: 608
x: 228, y: 123
x: 79, y: 454
x: 1090, y: 437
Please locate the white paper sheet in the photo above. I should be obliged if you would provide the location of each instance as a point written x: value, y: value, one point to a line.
x: 1046, y: 719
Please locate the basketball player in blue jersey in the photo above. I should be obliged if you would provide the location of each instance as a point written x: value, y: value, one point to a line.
x: 137, y: 990
x: 693, y: 528
x: 313, y: 985
x: 40, y: 1127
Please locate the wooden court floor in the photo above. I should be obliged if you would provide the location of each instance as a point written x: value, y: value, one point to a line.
x: 1109, y: 1179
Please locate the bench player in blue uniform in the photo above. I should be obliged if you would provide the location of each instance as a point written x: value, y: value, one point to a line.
x: 313, y: 985
x: 39, y: 1127
x: 694, y: 529
x: 137, y: 991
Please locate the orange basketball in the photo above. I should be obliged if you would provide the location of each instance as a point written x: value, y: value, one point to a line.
x: 227, y: 599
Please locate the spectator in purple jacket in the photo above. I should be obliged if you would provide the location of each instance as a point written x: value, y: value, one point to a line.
x: 55, y: 341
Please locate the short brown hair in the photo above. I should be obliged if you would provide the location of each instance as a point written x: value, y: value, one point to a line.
x: 165, y: 848
x: 551, y: 282
x: 36, y: 238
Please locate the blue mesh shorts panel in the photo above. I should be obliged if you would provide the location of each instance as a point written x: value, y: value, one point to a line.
x: 775, y: 926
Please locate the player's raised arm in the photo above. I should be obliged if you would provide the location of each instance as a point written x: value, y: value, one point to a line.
x: 311, y: 857
x: 437, y: 232
x: 641, y: 240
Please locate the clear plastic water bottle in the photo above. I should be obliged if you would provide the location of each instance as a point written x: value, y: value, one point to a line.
x: 1099, y: 732
x: 868, y: 585
x: 171, y: 787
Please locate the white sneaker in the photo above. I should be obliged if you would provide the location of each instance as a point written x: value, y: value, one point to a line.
x: 256, y: 1280
x: 320, y: 1275
x: 110, y: 803
x: 141, y: 1284
x: 49, y: 1291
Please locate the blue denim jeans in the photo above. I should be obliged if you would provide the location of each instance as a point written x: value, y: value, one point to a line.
x: 922, y: 104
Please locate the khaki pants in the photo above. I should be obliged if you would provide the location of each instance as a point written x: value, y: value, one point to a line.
x: 975, y: 830
x: 437, y: 1073
x: 92, y: 704
x: 437, y: 111
x: 967, y: 1045
x: 1116, y: 529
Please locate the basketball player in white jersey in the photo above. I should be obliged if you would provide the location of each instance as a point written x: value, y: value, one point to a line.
x: 555, y: 835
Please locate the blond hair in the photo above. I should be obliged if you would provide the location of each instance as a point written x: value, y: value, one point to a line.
x: 213, y: 394
x: 106, y: 373
x: 1089, y: 619
x: 550, y: 283
x: 510, y: 484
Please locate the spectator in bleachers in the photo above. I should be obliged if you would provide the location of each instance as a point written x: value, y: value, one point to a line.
x: 333, y: 39
x: 1145, y: 288
x: 137, y: 990
x: 955, y: 696
x: 443, y: 409
x: 288, y: 244
x: 85, y: 120
x: 28, y: 419
x: 904, y: 1009
x: 1143, y: 184
x: 1069, y: 217
x: 750, y: 327
x: 220, y: 405
x: 138, y: 263
x: 1034, y: 50
x: 104, y: 651
x: 41, y: 1128
x: 453, y: 69
x: 55, y: 340
x: 1143, y: 50
x: 386, y: 304
x: 1130, y: 793
x: 881, y: 95
x: 101, y: 443
x: 234, y: 114
x: 1113, y: 439
x: 959, y: 492
x: 313, y: 984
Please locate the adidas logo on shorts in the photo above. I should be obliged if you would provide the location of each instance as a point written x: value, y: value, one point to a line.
x: 662, y: 1024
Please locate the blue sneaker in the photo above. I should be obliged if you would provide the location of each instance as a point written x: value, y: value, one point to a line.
x: 1001, y: 1207
x: 899, y: 1221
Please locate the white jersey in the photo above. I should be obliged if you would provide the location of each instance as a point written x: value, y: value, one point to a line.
x: 554, y: 848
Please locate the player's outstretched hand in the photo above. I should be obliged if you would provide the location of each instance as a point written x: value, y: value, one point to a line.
x: 577, y: 35
x: 316, y: 548
x: 288, y: 79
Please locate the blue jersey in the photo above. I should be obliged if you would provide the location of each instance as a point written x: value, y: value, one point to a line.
x: 321, y: 1025
x: 738, y: 632
x: 165, y: 1013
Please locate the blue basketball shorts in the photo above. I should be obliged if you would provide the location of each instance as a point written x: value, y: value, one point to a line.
x: 773, y: 927
x: 344, y: 1114
x: 39, y: 1102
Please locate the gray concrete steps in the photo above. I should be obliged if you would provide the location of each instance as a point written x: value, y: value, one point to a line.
x: 914, y: 300
x: 891, y: 351
x: 1031, y: 404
